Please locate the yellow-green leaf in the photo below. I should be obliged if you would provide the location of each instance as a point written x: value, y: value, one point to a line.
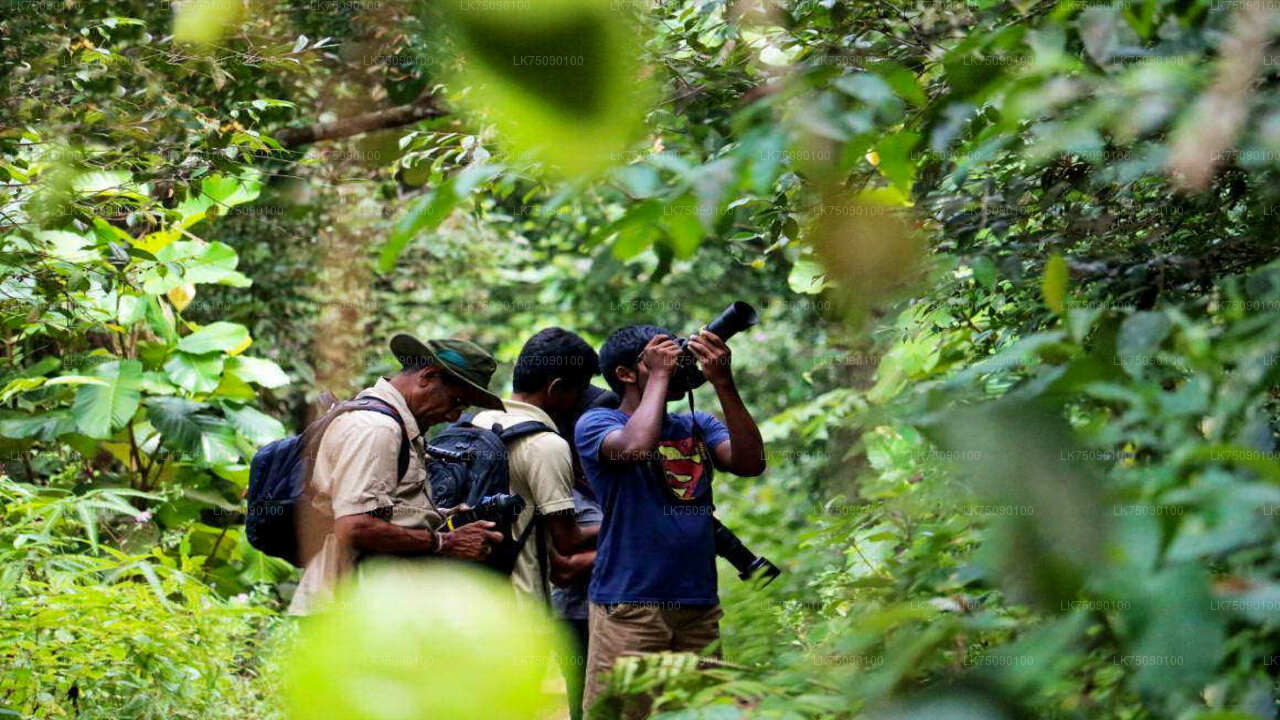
x: 1053, y: 284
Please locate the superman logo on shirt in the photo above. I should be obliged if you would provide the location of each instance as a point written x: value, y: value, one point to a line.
x: 682, y: 466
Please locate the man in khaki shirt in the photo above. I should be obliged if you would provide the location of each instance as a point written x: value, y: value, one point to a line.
x: 553, y: 371
x: 356, y: 503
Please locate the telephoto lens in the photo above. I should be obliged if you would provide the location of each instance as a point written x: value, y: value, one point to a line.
x: 737, y: 317
x: 748, y: 564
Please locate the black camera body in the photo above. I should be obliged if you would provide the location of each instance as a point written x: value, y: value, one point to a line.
x: 737, y: 317
x: 502, y: 509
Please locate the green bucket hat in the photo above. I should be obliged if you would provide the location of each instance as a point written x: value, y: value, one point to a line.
x: 464, y: 361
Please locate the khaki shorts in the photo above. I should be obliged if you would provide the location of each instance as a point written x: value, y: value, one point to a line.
x: 637, y: 628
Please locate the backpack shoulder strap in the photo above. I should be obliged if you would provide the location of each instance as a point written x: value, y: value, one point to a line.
x: 382, y: 407
x: 509, y: 435
x: 540, y: 551
x: 521, y: 429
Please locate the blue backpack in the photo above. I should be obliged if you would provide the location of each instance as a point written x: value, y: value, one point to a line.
x: 279, y: 472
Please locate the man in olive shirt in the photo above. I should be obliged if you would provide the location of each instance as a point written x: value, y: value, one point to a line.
x: 356, y: 503
x: 555, y: 367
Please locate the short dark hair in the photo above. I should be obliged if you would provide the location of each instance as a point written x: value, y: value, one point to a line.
x: 623, y: 349
x: 554, y: 353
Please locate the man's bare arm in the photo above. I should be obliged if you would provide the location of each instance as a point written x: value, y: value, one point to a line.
x: 567, y: 537
x: 365, y: 532
x: 568, y: 569
x: 743, y: 453
x: 639, y: 436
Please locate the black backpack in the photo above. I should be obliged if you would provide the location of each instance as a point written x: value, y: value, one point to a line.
x: 477, y: 468
x: 279, y: 473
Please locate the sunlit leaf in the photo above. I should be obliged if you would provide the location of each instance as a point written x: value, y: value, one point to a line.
x: 257, y: 370
x: 197, y: 373
x: 367, y: 656
x: 254, y: 424
x: 807, y: 277
x: 220, y: 336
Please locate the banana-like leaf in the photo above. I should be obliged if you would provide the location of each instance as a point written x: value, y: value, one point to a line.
x: 99, y: 409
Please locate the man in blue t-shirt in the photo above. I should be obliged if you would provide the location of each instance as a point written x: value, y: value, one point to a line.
x: 654, y: 583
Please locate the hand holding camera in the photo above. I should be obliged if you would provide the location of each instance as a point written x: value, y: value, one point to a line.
x: 497, y: 514
x: 712, y: 344
x: 661, y: 355
x: 474, y: 541
x: 713, y: 356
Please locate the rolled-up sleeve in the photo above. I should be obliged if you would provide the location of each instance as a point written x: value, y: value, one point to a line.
x: 550, y: 466
x: 362, y: 455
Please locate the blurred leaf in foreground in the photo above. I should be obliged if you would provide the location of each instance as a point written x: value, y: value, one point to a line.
x: 414, y: 641
x: 867, y: 245
x: 204, y: 22
x: 958, y: 705
x: 1041, y: 491
x: 561, y: 79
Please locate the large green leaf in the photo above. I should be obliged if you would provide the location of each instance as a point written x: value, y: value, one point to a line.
x: 195, y: 373
x: 217, y: 442
x: 426, y: 213
x: 1022, y: 458
x: 896, y: 161
x: 807, y: 277
x: 215, y: 337
x: 176, y: 419
x: 47, y: 426
x: 214, y: 263
x: 254, y: 424
x: 103, y: 182
x: 200, y: 262
x: 1174, y: 635
x: 99, y: 409
x: 257, y: 370
x: 1140, y: 336
x: 68, y: 246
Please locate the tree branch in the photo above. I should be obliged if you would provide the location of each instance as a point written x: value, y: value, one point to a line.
x: 421, y: 109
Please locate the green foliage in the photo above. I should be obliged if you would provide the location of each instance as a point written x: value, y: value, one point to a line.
x: 1016, y: 368
x: 115, y: 629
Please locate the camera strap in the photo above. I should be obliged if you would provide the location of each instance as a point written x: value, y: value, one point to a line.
x: 704, y: 459
x: 704, y: 453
